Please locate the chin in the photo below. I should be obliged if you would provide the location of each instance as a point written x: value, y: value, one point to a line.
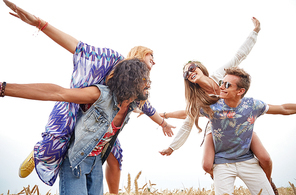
x: 142, y: 97
x: 222, y: 96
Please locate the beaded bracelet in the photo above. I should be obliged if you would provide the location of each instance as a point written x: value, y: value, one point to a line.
x: 2, y: 89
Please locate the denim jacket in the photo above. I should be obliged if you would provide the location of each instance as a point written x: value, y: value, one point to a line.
x: 92, y: 125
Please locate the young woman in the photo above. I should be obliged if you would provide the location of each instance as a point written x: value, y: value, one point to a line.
x: 202, y: 90
x: 91, y: 66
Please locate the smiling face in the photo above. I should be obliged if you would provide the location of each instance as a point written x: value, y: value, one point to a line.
x: 192, y: 72
x: 149, y: 61
x: 233, y: 92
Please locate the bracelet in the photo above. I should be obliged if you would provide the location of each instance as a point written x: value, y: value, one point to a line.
x: 2, y: 89
x: 162, y: 122
x: 165, y: 116
x: 165, y: 125
x: 45, y: 25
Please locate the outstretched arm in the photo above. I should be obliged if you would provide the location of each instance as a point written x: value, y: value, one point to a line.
x: 180, y: 138
x: 52, y: 92
x: 61, y: 38
x: 179, y: 114
x: 241, y: 54
x: 166, y: 127
x: 284, y: 109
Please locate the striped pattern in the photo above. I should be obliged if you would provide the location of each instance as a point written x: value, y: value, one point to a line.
x: 91, y: 65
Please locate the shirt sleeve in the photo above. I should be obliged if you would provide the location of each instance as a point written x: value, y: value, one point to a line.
x: 261, y: 107
x: 182, y: 134
x: 240, y: 55
x: 147, y: 108
x: 92, y: 65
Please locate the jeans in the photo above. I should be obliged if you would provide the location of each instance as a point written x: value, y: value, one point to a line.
x: 248, y: 171
x: 87, y: 179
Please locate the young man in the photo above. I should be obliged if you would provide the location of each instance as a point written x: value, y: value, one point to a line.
x: 91, y: 66
x: 97, y: 124
x: 232, y: 128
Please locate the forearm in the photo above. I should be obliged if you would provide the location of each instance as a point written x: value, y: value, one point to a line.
x: 239, y: 56
x: 45, y: 92
x: 284, y: 109
x: 52, y: 92
x: 63, y: 39
x: 289, y: 109
x: 56, y: 35
x: 158, y: 119
x: 182, y: 134
x: 180, y: 114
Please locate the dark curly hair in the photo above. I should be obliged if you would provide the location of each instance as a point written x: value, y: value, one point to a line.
x: 128, y: 79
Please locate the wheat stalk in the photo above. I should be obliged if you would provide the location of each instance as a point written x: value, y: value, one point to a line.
x: 128, y: 188
x: 293, y: 187
x: 136, y: 183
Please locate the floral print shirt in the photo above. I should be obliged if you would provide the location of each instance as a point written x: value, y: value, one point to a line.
x: 232, y: 129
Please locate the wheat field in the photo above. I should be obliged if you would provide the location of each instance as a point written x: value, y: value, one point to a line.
x: 149, y: 189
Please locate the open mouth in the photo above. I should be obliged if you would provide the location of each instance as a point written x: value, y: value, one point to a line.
x: 193, y: 75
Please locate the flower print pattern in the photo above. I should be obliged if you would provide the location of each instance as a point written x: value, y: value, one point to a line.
x: 218, y: 134
x: 251, y: 120
x: 229, y: 119
x: 232, y: 129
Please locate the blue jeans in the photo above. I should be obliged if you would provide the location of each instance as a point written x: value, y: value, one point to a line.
x: 87, y: 179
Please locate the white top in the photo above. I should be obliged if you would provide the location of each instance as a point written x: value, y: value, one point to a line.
x: 217, y: 75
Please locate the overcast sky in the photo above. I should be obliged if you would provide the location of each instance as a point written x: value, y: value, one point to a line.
x: 208, y: 31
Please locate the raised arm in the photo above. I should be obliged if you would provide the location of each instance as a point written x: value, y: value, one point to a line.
x: 242, y: 52
x: 66, y: 41
x: 284, y: 109
x: 51, y: 92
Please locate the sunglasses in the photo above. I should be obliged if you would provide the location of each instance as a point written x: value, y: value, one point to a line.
x: 191, y: 68
x: 226, y: 84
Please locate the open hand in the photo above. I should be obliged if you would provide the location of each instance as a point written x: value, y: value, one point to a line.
x: 167, y: 130
x: 22, y: 14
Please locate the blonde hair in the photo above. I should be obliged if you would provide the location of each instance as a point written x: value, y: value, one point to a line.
x: 196, y: 97
x: 139, y: 52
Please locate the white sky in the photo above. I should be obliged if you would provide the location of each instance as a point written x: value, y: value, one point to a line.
x: 208, y: 31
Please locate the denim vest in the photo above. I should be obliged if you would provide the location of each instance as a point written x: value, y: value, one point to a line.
x: 92, y: 125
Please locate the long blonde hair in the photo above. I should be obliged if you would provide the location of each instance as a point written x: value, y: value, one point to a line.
x: 196, y: 97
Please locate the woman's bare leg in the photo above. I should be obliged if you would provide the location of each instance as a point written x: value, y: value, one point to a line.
x: 208, y: 155
x: 112, y: 174
x: 262, y: 155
